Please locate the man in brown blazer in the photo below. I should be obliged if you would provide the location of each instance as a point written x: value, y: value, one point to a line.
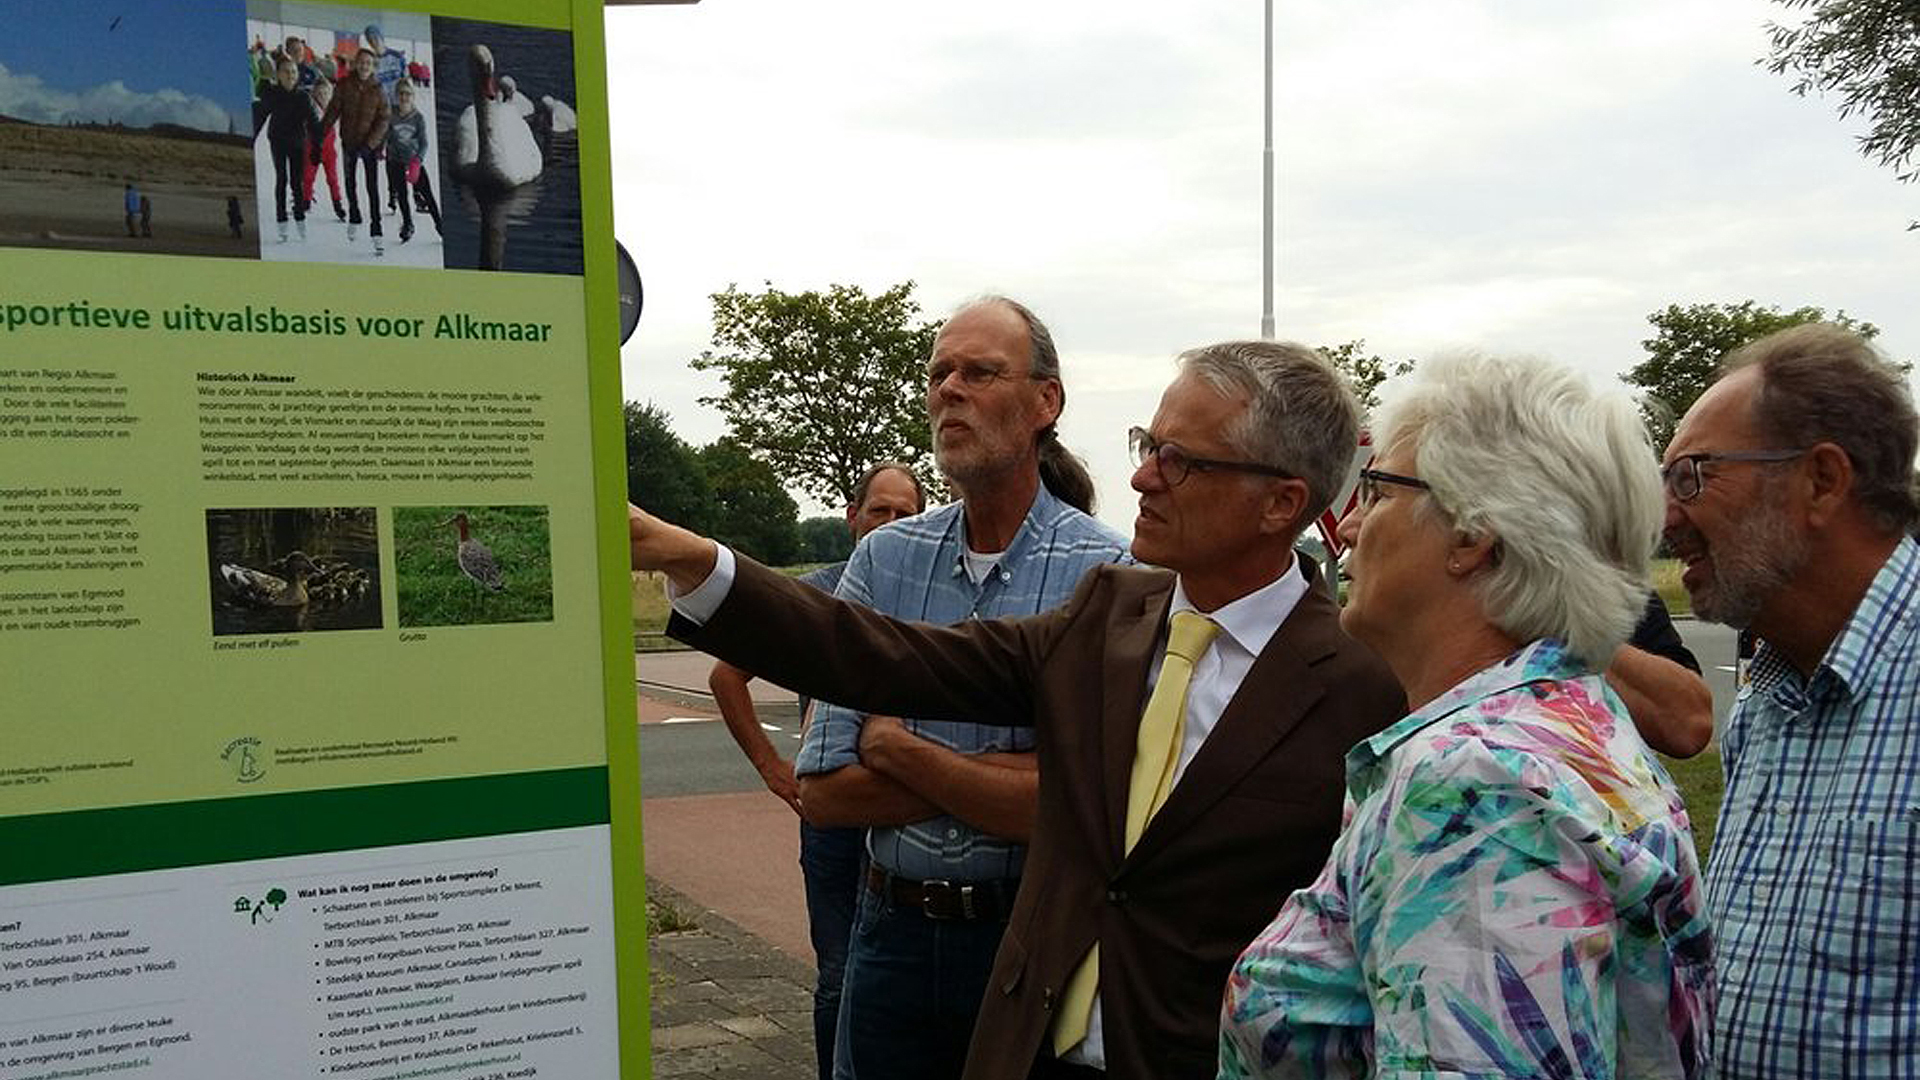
x: 1117, y: 950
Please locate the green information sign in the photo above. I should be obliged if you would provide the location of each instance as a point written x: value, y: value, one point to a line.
x: 317, y: 753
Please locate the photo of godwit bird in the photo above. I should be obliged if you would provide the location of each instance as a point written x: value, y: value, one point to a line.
x: 472, y: 565
x: 272, y: 571
x: 475, y: 560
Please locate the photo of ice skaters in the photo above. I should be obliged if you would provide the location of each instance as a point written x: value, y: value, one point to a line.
x: 277, y: 571
x: 512, y: 157
x: 468, y: 565
x: 102, y: 148
x: 343, y: 102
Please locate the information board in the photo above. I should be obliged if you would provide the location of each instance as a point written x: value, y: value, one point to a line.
x: 317, y: 753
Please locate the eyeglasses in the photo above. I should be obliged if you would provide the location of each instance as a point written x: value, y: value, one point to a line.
x: 972, y: 376
x: 1371, y: 479
x: 1174, y: 463
x: 1681, y: 476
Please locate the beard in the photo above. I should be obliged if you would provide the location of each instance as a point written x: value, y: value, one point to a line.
x: 991, y: 454
x: 1751, y: 564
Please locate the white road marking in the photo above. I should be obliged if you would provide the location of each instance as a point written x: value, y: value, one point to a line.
x: 712, y: 719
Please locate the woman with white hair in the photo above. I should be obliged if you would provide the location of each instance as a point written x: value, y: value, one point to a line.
x: 1515, y: 891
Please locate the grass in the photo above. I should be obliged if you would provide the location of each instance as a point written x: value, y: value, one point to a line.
x: 149, y: 158
x: 650, y: 613
x: 1701, y: 783
x: 664, y: 918
x: 1666, y: 582
x: 434, y: 592
x: 650, y: 609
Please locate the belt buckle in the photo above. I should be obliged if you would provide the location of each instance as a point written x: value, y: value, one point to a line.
x: 929, y: 890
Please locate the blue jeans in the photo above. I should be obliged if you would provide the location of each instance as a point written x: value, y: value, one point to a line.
x: 831, y: 861
x: 914, y: 986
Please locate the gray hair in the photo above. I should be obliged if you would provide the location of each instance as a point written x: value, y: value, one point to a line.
x: 1043, y: 359
x: 1823, y: 383
x: 1558, y: 471
x: 1301, y: 415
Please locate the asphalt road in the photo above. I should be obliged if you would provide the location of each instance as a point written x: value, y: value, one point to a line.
x: 690, y: 753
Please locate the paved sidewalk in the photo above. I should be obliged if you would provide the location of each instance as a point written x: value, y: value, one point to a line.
x: 726, y: 1005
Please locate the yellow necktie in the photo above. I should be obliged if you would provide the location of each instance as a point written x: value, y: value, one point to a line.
x: 1156, y: 749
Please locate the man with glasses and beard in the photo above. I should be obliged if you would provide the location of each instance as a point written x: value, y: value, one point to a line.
x: 1789, y: 495
x: 948, y: 806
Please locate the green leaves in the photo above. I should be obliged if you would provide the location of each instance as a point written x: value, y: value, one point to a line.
x: 664, y: 476
x: 1867, y: 53
x: 1363, y: 369
x: 751, y: 511
x: 1689, y: 343
x: 820, y: 385
x: 721, y: 490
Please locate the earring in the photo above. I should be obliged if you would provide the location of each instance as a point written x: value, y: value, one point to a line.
x: 1453, y: 568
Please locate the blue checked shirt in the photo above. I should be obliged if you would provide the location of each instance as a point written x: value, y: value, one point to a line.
x: 916, y: 569
x: 1814, y: 883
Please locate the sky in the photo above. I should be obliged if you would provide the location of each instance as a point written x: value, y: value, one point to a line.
x: 1518, y: 178
x: 100, y: 60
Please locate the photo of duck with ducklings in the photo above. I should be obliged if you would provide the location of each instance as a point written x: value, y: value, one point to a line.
x: 472, y: 565
x: 277, y: 571
x: 504, y: 98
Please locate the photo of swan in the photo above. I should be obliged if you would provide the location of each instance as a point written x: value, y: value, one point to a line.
x: 511, y: 164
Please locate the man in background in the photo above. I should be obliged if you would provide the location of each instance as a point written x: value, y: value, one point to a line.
x: 830, y: 858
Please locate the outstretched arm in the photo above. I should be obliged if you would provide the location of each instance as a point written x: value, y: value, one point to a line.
x: 684, y: 556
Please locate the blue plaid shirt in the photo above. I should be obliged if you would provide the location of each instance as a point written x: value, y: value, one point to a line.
x: 915, y: 569
x: 1814, y: 883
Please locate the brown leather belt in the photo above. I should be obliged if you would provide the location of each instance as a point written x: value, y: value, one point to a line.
x: 976, y: 901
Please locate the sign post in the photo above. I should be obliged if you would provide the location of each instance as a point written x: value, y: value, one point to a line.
x: 317, y: 753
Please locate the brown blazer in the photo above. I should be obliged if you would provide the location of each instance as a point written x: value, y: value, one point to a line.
x: 1251, y: 820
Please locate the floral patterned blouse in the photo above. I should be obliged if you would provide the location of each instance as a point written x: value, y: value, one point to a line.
x: 1514, y: 894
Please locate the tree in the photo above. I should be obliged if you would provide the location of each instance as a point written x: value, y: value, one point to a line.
x: 1868, y: 53
x: 820, y: 385
x: 1365, y: 370
x: 1689, y: 342
x: 825, y: 539
x: 751, y: 511
x: 664, y: 476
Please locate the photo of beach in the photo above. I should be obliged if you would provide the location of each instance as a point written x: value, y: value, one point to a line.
x: 120, y: 132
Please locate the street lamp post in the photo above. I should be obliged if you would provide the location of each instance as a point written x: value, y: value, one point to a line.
x: 1266, y: 190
